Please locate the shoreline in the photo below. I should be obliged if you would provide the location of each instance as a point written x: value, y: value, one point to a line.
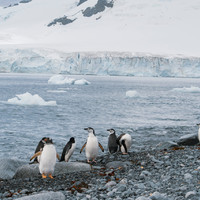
x: 166, y: 174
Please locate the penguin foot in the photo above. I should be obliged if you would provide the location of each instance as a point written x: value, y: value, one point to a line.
x: 50, y: 176
x: 44, y: 176
x: 124, y: 153
x: 94, y: 161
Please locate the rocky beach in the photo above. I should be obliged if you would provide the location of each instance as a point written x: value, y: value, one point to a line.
x: 159, y: 173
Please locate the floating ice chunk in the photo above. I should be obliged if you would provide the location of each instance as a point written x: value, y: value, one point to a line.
x: 132, y: 93
x: 60, y: 79
x: 191, y: 89
x: 29, y: 99
x: 56, y: 91
x: 81, y: 82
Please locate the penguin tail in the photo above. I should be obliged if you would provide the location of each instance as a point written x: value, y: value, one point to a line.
x: 34, y: 162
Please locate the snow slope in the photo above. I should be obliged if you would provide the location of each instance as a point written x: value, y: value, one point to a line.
x: 155, y: 26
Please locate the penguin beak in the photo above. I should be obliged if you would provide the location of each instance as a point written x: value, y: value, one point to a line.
x: 86, y: 129
x: 198, y: 124
x: 108, y: 129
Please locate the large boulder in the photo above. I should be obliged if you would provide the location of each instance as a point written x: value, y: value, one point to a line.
x: 166, y: 145
x: 27, y: 171
x: 44, y: 196
x: 190, y: 139
x: 8, y: 167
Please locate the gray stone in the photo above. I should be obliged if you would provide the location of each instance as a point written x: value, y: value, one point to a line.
x: 142, y: 198
x: 44, y: 196
x: 117, y: 164
x: 8, y: 167
x: 145, y: 174
x: 159, y: 196
x: 110, y: 184
x: 190, y: 194
x: 69, y: 167
x: 190, y: 139
x: 121, y: 187
x: 27, y: 171
x: 187, y: 177
x: 166, y: 145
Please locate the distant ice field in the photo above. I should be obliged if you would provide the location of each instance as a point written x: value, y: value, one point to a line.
x: 164, y: 109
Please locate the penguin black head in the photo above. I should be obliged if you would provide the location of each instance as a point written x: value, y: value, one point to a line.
x: 90, y: 130
x: 47, y: 140
x: 111, y: 131
x: 72, y: 140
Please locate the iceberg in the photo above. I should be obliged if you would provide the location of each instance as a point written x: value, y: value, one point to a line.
x: 96, y: 63
x: 191, y: 89
x: 29, y: 99
x: 59, y: 80
x: 82, y: 82
x: 132, y: 93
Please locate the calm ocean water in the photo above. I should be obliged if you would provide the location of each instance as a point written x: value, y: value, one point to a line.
x: 164, y: 109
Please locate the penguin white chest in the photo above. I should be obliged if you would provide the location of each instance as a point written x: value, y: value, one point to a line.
x: 128, y: 142
x: 48, y: 159
x: 91, y: 148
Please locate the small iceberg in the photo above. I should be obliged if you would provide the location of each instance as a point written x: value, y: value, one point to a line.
x: 81, y: 82
x: 60, y: 80
x: 56, y: 91
x: 29, y: 99
x: 191, y: 89
x: 132, y: 93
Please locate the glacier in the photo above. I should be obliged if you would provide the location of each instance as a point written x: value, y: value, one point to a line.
x: 49, y: 61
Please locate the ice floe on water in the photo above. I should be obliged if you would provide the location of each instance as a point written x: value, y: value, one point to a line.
x: 29, y: 99
x: 132, y: 93
x: 82, y: 82
x: 191, y: 89
x: 60, y: 80
x: 56, y: 91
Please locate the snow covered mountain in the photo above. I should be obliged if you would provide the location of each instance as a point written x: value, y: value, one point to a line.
x: 158, y: 27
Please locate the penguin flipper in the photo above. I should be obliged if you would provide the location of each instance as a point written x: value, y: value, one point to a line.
x: 83, y: 147
x: 65, y: 151
x: 101, y: 147
x: 58, y: 157
x: 35, y: 155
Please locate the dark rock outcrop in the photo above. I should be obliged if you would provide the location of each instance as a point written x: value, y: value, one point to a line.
x: 63, y: 20
x: 99, y: 7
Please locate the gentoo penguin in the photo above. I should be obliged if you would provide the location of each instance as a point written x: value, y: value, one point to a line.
x: 124, y: 141
x: 91, y: 146
x: 39, y: 148
x: 47, y: 159
x: 112, y: 142
x: 68, y: 150
x: 199, y: 132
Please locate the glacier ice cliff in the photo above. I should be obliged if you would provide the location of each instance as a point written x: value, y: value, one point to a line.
x: 97, y: 63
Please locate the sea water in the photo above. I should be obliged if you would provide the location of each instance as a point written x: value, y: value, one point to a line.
x: 152, y: 110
